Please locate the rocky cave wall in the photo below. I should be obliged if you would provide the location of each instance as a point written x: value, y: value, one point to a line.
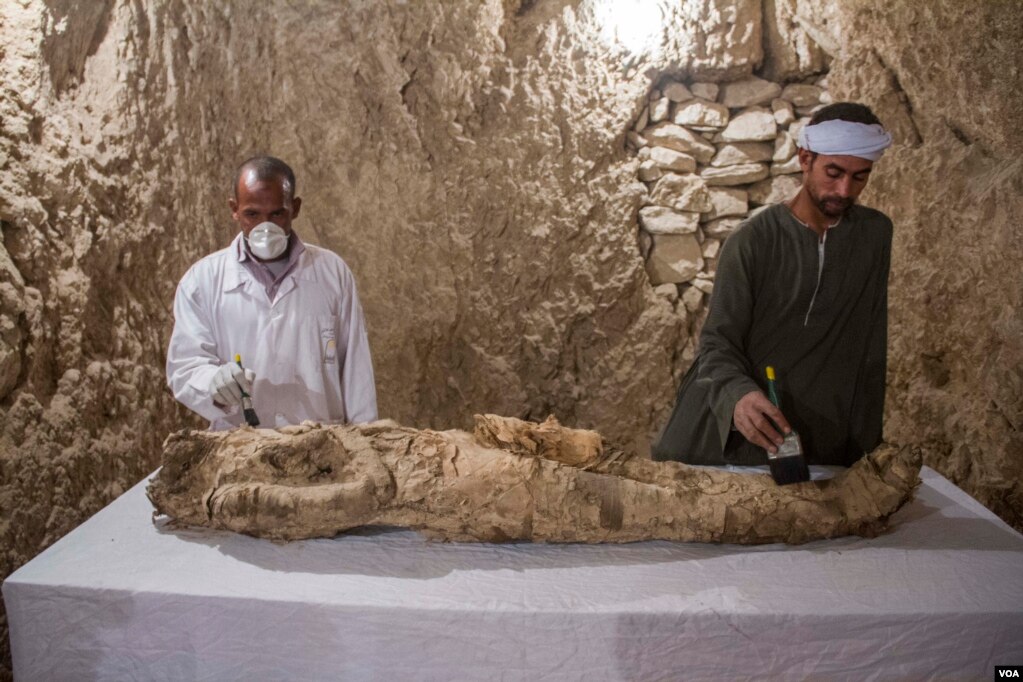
x: 114, y: 118
x: 470, y: 161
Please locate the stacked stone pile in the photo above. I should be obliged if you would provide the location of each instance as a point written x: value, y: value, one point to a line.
x: 710, y: 154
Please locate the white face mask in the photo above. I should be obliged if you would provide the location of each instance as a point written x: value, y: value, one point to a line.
x: 267, y: 241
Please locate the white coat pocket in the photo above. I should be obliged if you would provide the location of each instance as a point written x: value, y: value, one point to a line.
x: 328, y: 338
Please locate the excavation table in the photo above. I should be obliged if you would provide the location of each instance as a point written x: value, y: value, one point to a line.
x: 122, y: 597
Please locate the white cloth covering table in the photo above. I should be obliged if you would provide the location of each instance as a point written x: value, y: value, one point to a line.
x: 120, y: 597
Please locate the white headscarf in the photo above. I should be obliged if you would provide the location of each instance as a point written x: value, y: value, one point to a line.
x: 845, y: 138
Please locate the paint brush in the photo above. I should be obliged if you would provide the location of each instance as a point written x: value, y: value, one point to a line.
x: 250, y: 414
x: 788, y: 465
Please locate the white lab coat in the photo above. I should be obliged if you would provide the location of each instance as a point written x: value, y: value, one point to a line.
x: 308, y: 347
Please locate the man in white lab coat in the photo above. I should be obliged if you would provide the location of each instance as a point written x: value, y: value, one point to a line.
x: 289, y: 309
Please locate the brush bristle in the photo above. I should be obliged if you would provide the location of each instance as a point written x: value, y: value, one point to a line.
x: 250, y: 417
x: 786, y: 470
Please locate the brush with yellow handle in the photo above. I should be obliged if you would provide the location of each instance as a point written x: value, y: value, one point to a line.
x: 788, y: 464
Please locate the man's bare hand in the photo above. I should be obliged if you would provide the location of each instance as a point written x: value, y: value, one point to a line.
x: 753, y: 416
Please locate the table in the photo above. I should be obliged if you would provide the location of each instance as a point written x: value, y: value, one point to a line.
x: 123, y: 598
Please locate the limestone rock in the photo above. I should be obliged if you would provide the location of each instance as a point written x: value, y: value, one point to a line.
x: 701, y: 114
x: 785, y: 167
x: 674, y: 258
x: 669, y: 159
x: 663, y: 220
x: 775, y: 190
x: 754, y: 124
x: 668, y: 292
x: 705, y: 91
x: 677, y: 92
x: 802, y: 95
x: 636, y: 140
x: 808, y: 111
x: 742, y: 152
x: 678, y: 138
x: 711, y: 248
x: 726, y: 201
x: 784, y: 114
x: 704, y: 283
x: 734, y: 175
x: 784, y: 148
x: 649, y: 171
x: 692, y: 299
x: 682, y: 192
x: 748, y: 92
x: 659, y: 109
x: 720, y: 228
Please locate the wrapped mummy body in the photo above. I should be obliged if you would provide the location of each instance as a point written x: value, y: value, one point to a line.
x: 510, y: 480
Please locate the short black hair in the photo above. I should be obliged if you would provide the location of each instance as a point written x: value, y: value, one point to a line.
x: 854, y: 112
x: 266, y: 168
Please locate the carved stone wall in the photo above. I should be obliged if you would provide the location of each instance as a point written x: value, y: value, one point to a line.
x: 470, y: 161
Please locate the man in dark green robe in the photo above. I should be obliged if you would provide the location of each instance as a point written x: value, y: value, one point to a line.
x: 800, y: 286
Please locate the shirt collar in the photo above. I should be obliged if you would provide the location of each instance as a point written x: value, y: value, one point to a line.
x: 826, y: 227
x: 247, y: 268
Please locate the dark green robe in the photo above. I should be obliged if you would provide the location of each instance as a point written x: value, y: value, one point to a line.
x: 826, y: 339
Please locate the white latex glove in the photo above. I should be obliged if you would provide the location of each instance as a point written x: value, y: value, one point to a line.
x: 228, y: 383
